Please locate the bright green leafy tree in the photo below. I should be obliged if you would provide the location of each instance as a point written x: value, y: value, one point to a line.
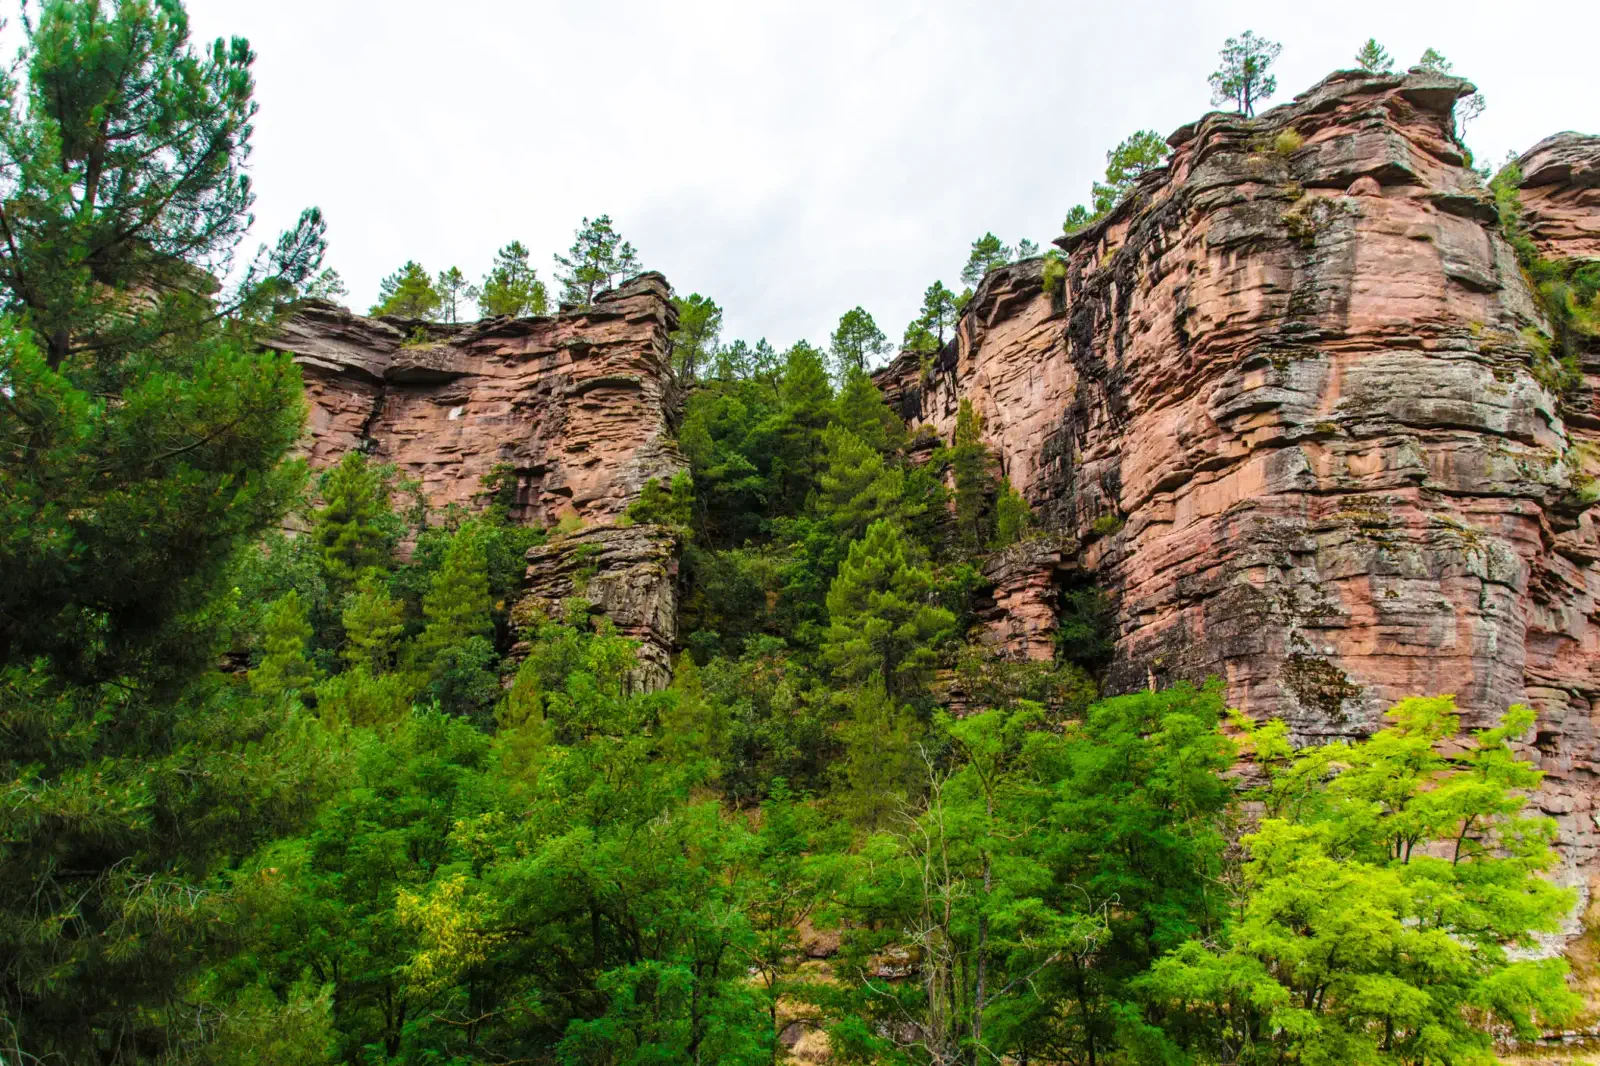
x: 1386, y: 888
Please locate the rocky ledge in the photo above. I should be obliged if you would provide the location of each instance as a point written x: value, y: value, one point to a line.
x: 575, y: 404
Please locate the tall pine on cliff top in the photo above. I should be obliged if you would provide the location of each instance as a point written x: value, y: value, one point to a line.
x: 987, y: 254
x: 407, y: 293
x: 141, y: 442
x: 1374, y: 57
x: 598, y: 256
x: 1242, y: 79
x: 512, y: 286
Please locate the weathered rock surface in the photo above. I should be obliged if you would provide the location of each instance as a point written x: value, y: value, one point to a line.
x: 1291, y: 381
x: 1561, y: 195
x: 627, y: 573
x: 576, y: 404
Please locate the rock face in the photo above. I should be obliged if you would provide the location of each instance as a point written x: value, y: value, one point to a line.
x: 627, y: 573
x: 1288, y: 401
x: 1561, y: 195
x: 577, y: 405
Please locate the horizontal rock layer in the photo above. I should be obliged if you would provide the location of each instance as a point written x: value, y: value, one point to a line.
x: 1287, y: 400
x: 575, y: 404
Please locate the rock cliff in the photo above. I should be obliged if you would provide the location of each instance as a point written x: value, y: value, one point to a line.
x: 577, y: 405
x: 1294, y: 399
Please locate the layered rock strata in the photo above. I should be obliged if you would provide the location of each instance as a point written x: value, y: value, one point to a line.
x: 576, y: 407
x: 576, y: 404
x: 627, y: 573
x: 1291, y: 399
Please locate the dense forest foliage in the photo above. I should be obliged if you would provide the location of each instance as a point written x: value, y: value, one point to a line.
x: 392, y: 827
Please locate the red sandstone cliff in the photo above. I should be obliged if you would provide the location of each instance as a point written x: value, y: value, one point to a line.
x: 1294, y: 382
x: 578, y: 405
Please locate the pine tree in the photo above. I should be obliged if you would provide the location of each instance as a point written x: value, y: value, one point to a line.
x: 327, y: 285
x: 124, y: 152
x: 970, y: 462
x: 694, y: 342
x: 512, y: 286
x: 1242, y: 80
x: 881, y: 621
x: 407, y: 293
x: 1374, y: 57
x: 456, y: 607
x: 1434, y: 63
x: 355, y: 528
x: 373, y: 623
x: 1012, y: 515
x: 861, y: 409
x: 284, y: 668
x: 598, y: 255
x: 881, y: 767
x: 1078, y: 218
x: 987, y: 254
x: 855, y: 342
x: 855, y: 487
x: 938, y: 311
x: 1129, y: 161
x: 144, y: 438
x: 452, y: 287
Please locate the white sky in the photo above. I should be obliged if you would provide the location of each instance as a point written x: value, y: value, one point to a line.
x: 791, y: 160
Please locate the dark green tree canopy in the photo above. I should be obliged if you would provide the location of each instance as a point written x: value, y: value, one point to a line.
x: 126, y: 193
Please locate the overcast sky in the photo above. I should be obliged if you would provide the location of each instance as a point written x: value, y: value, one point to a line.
x: 790, y: 160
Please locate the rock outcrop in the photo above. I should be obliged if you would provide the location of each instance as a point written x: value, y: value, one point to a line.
x: 627, y: 573
x: 1292, y: 399
x: 1561, y: 195
x: 577, y: 406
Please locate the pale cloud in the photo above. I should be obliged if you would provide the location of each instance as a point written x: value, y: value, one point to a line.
x: 790, y: 160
